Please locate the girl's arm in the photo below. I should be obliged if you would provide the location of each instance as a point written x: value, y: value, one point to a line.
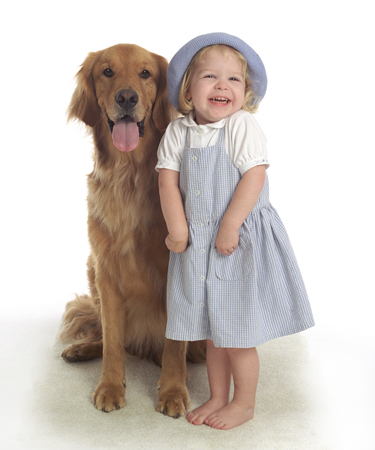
x: 173, y: 210
x: 245, y: 197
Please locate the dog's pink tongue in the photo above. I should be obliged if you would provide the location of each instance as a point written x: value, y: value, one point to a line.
x: 125, y: 135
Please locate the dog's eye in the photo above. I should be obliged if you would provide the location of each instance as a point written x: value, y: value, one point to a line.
x: 145, y: 74
x: 108, y: 72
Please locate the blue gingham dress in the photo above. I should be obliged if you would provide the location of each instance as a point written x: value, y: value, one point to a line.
x: 242, y: 300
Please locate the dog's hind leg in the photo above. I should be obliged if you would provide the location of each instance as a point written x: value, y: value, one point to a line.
x: 82, y: 323
x: 83, y: 351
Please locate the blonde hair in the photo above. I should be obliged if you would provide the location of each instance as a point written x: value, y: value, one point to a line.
x: 250, y: 104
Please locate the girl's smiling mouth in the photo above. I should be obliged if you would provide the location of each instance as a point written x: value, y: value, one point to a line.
x: 221, y: 100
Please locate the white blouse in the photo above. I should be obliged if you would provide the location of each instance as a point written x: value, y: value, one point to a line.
x: 244, y: 140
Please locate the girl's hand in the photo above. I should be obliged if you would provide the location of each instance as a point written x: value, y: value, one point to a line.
x: 175, y: 246
x: 244, y: 199
x: 227, y: 241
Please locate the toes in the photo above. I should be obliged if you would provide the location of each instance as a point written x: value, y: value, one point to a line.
x: 215, y: 423
x: 198, y: 420
x: 195, y: 419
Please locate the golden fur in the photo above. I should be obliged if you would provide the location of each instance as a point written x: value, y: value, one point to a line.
x: 127, y: 267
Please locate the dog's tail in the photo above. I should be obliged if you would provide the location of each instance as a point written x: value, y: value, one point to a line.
x: 81, y: 321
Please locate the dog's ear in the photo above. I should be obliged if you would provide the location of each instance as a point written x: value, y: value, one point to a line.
x: 84, y: 105
x: 163, y: 111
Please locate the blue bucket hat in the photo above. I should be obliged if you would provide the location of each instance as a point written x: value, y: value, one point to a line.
x: 181, y: 60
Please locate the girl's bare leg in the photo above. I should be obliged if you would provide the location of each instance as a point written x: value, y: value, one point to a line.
x: 219, y: 377
x: 244, y: 363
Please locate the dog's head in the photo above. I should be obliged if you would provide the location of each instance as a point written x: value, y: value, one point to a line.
x: 124, y: 86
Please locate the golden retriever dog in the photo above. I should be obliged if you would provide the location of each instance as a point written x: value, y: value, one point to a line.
x: 121, y: 95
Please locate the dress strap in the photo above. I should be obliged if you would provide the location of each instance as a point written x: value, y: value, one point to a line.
x: 186, y: 137
x: 220, y: 140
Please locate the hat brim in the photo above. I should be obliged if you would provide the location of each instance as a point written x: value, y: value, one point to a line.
x: 181, y: 60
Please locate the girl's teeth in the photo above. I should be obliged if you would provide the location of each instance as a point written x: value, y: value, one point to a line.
x: 220, y: 100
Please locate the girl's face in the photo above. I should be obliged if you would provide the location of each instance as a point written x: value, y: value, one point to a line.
x: 217, y: 88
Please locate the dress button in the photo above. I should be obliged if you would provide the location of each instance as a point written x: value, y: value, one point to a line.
x: 203, y: 250
x: 197, y: 192
x: 202, y: 305
x: 203, y: 278
x: 194, y: 158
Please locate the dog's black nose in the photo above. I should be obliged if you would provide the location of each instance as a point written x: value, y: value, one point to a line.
x: 127, y: 99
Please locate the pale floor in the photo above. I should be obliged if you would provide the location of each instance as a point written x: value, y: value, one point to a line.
x: 313, y: 394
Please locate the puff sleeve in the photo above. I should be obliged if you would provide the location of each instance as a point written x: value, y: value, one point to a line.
x: 171, y: 147
x: 247, y: 142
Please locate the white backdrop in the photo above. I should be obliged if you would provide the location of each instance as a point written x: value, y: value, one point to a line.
x: 318, y: 116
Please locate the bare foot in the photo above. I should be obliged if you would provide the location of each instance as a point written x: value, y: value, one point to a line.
x: 198, y: 415
x: 229, y: 416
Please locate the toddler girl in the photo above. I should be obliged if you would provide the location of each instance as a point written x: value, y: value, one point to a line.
x: 233, y: 278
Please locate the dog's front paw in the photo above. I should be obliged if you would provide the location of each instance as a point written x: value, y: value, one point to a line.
x: 108, y: 397
x: 173, y: 402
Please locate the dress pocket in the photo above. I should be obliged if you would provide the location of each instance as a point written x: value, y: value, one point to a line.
x: 238, y: 265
